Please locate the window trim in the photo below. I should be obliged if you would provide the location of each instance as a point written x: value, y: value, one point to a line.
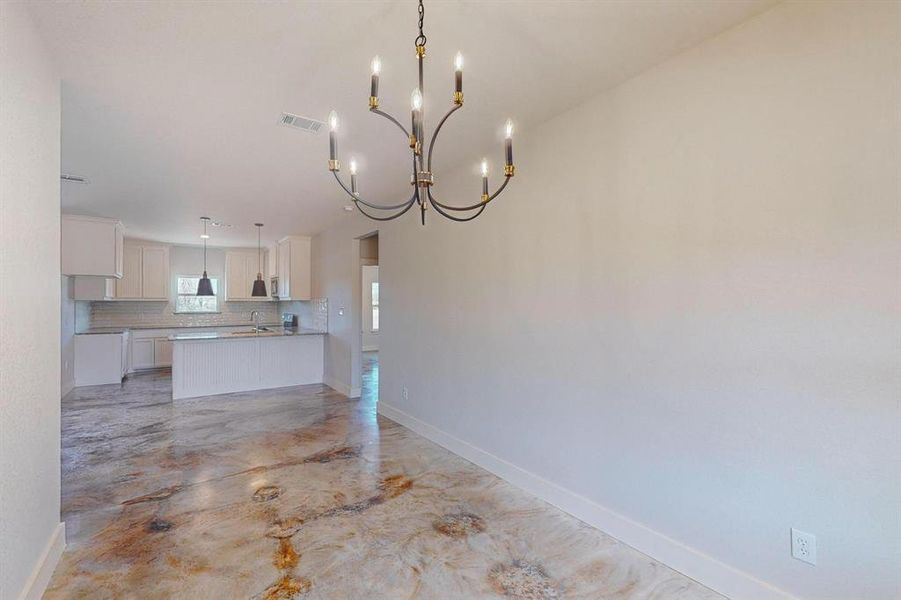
x: 197, y: 312
x: 373, y: 308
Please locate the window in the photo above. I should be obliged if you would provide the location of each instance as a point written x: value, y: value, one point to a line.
x: 187, y: 300
x: 375, y: 305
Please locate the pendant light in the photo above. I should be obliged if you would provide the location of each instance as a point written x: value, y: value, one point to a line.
x: 205, y: 286
x: 259, y: 286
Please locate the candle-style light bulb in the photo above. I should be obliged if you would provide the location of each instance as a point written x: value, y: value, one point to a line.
x: 333, y: 141
x: 484, y: 168
x: 416, y: 103
x: 484, y: 180
x: 458, y: 78
x: 508, y: 146
x: 353, y: 176
x: 374, y: 82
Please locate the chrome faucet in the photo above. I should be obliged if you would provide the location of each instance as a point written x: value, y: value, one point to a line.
x: 255, y: 317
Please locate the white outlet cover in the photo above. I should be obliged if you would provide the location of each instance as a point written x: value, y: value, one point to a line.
x: 804, y: 546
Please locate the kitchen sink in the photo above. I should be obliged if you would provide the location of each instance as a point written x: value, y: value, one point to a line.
x: 261, y: 331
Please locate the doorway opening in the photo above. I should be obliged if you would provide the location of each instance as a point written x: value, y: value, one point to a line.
x: 370, y: 323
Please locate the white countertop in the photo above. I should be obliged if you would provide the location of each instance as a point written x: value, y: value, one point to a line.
x: 243, y: 334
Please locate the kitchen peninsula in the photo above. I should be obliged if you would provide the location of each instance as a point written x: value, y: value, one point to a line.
x: 204, y: 364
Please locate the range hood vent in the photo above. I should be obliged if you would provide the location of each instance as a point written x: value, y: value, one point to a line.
x: 303, y: 123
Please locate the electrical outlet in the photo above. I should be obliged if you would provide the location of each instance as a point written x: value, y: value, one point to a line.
x: 804, y: 546
x: 406, y: 393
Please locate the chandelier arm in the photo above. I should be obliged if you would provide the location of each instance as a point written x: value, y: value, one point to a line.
x: 437, y: 129
x: 390, y: 218
x: 392, y: 119
x: 458, y: 219
x: 356, y: 198
x: 437, y: 204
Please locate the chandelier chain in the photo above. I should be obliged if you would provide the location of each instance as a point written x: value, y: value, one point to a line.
x: 421, y: 39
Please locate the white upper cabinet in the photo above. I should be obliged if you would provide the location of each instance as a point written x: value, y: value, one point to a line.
x: 241, y: 268
x: 91, y: 246
x: 294, y: 281
x: 94, y: 288
x: 271, y: 263
x: 129, y: 287
x: 155, y: 272
x: 146, y: 273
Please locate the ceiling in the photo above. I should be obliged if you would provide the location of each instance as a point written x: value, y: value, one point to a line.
x: 171, y: 109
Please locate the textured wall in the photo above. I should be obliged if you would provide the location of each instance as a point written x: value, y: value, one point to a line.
x: 29, y: 300
x: 701, y: 332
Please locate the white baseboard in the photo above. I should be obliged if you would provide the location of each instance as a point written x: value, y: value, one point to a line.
x: 43, y: 570
x: 66, y: 387
x: 340, y: 386
x: 702, y: 568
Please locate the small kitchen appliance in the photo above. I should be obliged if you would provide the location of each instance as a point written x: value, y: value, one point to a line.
x: 289, y: 320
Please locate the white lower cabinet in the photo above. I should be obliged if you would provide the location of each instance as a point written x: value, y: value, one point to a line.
x: 99, y: 358
x: 162, y: 352
x: 151, y: 348
x: 142, y: 354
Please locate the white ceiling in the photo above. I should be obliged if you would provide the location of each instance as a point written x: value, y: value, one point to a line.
x: 170, y: 109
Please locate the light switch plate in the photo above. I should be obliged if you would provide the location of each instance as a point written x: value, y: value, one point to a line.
x: 804, y: 546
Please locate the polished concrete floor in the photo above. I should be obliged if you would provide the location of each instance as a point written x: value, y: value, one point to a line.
x: 303, y: 493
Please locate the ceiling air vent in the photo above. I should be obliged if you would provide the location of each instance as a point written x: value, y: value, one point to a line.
x: 74, y: 178
x: 302, y: 123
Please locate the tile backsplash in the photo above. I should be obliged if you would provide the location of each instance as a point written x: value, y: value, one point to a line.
x: 312, y: 314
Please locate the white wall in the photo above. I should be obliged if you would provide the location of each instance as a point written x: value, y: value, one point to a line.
x: 336, y: 276
x: 29, y: 307
x: 701, y: 335
x: 67, y: 334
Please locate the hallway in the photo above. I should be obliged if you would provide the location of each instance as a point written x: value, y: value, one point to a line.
x: 370, y: 377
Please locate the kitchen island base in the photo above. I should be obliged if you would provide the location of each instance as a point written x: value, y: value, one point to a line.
x: 206, y: 366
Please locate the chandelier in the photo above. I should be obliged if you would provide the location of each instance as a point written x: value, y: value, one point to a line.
x: 422, y: 179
